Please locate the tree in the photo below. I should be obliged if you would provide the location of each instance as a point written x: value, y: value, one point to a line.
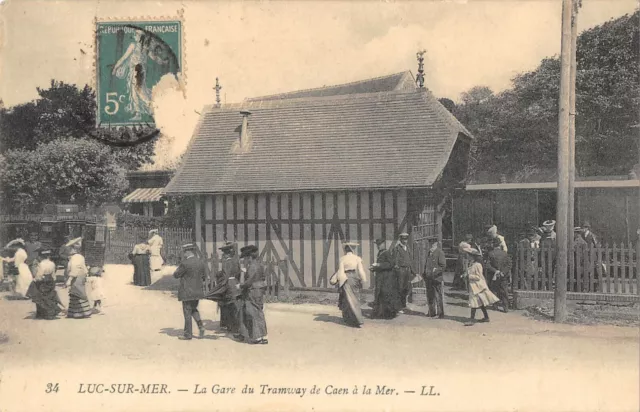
x: 64, y: 110
x: 516, y: 130
x: 66, y: 170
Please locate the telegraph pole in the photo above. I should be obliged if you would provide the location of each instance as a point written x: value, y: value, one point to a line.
x: 572, y: 129
x: 562, y: 210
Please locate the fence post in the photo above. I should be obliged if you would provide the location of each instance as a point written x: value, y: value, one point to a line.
x: 637, y: 267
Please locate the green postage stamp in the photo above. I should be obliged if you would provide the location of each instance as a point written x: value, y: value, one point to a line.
x: 131, y: 58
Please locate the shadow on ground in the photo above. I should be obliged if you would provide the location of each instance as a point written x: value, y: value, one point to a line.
x: 325, y: 317
x: 175, y: 333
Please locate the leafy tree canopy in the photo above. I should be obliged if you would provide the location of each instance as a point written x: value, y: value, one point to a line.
x: 517, y: 130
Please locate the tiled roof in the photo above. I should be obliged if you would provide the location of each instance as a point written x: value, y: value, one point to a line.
x: 144, y: 195
x: 374, y: 140
x: 393, y: 82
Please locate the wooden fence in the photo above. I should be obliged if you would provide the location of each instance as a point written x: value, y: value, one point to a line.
x: 120, y: 242
x: 277, y: 273
x: 604, y: 269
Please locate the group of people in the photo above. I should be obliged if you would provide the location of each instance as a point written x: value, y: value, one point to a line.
x: 238, y: 288
x: 146, y: 257
x: 394, y: 274
x: 36, y: 279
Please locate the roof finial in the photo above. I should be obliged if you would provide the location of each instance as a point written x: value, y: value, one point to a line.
x: 420, y: 76
x: 218, y: 88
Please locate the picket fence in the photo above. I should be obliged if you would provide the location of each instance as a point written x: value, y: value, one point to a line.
x: 119, y: 243
x: 603, y: 269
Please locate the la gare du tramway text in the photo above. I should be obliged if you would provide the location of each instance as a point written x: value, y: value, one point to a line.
x: 264, y: 389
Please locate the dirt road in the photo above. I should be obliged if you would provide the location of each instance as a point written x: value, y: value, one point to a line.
x: 512, y: 363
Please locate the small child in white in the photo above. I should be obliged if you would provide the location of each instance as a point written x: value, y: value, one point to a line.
x: 94, y: 288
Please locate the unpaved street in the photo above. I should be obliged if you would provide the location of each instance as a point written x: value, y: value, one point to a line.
x: 512, y: 363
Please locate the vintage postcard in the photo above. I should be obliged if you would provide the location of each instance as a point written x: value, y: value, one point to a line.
x: 319, y: 205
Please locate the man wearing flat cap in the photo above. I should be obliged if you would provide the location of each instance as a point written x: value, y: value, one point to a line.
x: 403, y: 268
x: 252, y: 324
x: 386, y: 303
x: 192, y: 274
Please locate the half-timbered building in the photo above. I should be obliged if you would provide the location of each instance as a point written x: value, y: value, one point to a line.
x: 300, y: 173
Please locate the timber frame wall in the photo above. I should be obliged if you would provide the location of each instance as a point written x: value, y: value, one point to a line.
x: 307, y: 229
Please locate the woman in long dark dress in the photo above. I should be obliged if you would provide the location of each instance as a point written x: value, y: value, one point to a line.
x: 141, y: 266
x: 251, y: 322
x: 349, y: 278
x: 42, y: 290
x: 387, y: 295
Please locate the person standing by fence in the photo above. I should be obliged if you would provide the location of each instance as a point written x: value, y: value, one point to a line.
x: 155, y: 248
x: 192, y: 274
x: 433, y: 270
x: 140, y: 258
x: 499, y: 273
x: 403, y: 268
x: 462, y: 263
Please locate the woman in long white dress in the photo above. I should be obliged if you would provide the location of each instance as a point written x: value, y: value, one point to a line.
x: 349, y: 278
x: 155, y: 247
x: 19, y: 259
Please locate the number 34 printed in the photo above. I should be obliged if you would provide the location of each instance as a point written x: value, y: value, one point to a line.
x: 51, y: 387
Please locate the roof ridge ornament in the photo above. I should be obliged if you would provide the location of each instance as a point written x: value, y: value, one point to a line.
x: 420, y: 76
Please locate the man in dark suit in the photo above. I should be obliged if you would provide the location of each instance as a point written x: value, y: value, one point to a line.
x: 432, y: 275
x: 192, y: 274
x: 403, y: 268
x: 498, y: 269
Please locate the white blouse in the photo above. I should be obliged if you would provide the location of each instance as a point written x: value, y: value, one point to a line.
x: 77, y: 266
x: 353, y: 262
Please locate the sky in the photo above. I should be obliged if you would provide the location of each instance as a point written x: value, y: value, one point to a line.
x: 259, y: 48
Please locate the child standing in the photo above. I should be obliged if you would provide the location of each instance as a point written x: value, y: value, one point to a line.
x: 479, y: 294
x: 94, y: 288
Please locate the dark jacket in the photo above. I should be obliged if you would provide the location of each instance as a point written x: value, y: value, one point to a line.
x: 384, y: 262
x: 402, y: 258
x: 192, y: 274
x: 231, y: 267
x: 435, y: 265
x: 591, y: 239
x: 256, y: 277
x: 498, y: 261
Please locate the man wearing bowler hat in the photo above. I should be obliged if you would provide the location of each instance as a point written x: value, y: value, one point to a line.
x: 192, y: 274
x: 433, y: 278
x: 403, y: 268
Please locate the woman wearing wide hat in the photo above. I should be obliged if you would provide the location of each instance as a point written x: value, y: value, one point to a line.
x: 19, y: 259
x: 251, y: 322
x: 77, y: 270
x: 349, y: 279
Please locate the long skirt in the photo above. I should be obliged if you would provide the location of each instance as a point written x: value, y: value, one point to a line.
x: 387, y: 300
x: 24, y: 280
x: 43, y: 294
x: 156, y: 262
x: 349, y: 303
x: 78, y: 308
x: 251, y: 322
x: 229, y: 315
x: 141, y: 270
